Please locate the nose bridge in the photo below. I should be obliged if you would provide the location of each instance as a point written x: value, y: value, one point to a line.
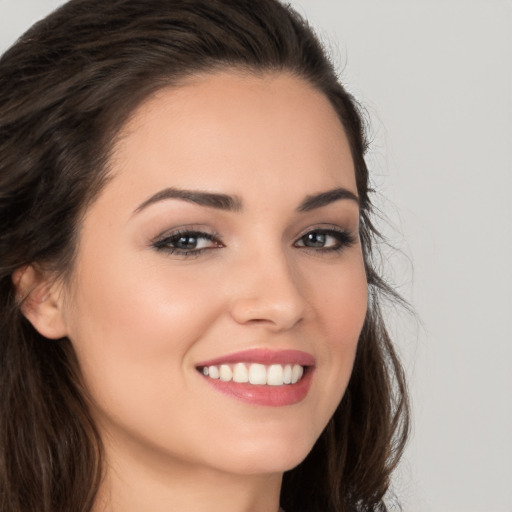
x: 268, y: 290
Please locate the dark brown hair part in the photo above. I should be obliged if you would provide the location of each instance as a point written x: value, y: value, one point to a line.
x: 66, y: 89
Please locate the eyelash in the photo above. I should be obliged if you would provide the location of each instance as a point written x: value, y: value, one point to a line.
x: 343, y: 239
x: 165, y: 243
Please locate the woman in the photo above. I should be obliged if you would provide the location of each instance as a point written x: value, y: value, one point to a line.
x: 190, y: 316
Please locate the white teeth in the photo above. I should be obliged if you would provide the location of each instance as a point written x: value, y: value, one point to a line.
x: 240, y: 373
x: 226, y: 374
x: 256, y: 373
x: 275, y: 375
x: 287, y: 374
x: 213, y: 372
x: 297, y: 372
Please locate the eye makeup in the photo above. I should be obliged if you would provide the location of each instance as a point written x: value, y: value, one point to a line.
x: 187, y: 242
x: 326, y: 239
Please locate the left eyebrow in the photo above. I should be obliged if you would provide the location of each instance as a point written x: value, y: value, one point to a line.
x: 324, y: 198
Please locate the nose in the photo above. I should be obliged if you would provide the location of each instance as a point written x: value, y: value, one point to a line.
x: 268, y: 293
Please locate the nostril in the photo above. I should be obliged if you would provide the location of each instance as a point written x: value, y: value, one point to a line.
x: 267, y: 313
x: 274, y: 299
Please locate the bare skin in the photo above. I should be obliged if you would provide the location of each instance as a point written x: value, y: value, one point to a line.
x: 162, y: 283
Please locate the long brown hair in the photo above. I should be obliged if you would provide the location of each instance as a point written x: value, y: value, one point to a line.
x: 66, y: 88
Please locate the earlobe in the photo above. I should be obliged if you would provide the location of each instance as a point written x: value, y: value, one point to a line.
x: 40, y: 299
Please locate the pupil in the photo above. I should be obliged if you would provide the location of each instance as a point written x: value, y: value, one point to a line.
x: 315, y: 239
x: 186, y: 242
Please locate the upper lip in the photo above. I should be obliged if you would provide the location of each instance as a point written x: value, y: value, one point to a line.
x: 263, y: 356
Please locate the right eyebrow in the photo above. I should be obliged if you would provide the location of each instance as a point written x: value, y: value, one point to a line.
x: 324, y: 198
x: 208, y: 199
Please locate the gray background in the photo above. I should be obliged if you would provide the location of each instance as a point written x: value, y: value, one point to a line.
x: 436, y: 80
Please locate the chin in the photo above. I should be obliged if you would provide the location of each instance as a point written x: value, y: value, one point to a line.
x: 269, y: 454
x: 265, y: 464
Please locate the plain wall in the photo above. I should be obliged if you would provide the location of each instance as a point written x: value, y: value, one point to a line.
x: 436, y: 80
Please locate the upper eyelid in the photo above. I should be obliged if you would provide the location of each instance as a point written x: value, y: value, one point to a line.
x: 326, y: 227
x: 163, y: 241
x: 324, y: 230
x: 216, y: 236
x: 329, y: 231
x: 189, y: 232
x: 198, y: 230
x: 185, y: 230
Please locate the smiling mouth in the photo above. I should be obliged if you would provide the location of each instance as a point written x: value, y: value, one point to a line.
x: 256, y: 374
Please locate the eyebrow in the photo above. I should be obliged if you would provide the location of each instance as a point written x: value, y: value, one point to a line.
x: 234, y: 203
x: 208, y: 199
x: 324, y: 198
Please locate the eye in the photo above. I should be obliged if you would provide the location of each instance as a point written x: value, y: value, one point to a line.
x: 326, y: 240
x: 187, y: 243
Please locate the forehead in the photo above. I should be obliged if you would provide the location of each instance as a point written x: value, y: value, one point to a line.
x: 233, y: 131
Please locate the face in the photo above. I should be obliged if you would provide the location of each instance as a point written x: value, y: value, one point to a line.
x: 225, y: 249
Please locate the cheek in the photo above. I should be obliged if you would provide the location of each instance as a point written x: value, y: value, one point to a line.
x: 140, y: 306
x: 340, y: 299
x: 130, y: 328
x: 341, y: 307
x: 133, y: 332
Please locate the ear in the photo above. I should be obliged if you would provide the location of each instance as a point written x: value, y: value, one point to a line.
x: 40, y: 298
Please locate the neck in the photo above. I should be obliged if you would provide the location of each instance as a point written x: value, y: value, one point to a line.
x: 138, y: 485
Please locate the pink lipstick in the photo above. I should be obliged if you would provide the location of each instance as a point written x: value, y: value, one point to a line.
x: 261, y: 376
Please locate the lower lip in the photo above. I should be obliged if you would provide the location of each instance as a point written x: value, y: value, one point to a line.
x: 273, y: 396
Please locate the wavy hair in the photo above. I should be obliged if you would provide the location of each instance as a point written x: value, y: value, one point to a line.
x: 67, y: 86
